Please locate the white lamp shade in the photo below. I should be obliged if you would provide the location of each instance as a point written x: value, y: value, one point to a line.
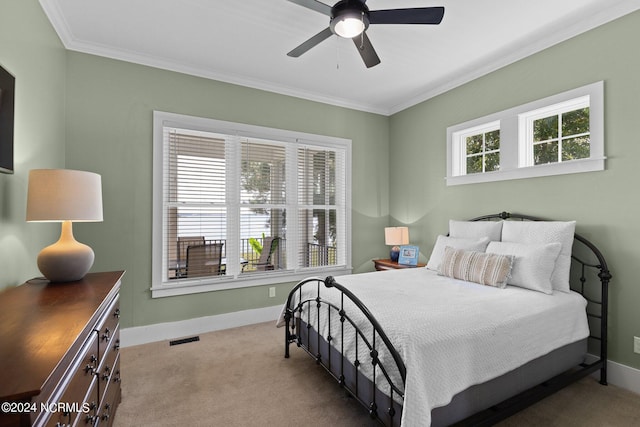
x: 64, y: 195
x: 395, y: 236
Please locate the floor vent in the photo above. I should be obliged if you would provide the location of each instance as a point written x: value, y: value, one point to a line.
x: 184, y: 340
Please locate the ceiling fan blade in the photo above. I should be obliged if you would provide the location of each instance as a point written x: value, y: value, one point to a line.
x: 313, y: 41
x: 314, y: 5
x: 367, y: 52
x: 418, y: 15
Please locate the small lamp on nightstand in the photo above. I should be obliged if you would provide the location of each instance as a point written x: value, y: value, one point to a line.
x: 66, y: 196
x: 396, y: 236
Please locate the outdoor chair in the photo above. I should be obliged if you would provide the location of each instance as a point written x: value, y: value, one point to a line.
x: 265, y: 261
x: 204, y: 260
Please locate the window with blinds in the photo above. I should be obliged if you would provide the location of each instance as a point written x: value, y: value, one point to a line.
x: 238, y: 203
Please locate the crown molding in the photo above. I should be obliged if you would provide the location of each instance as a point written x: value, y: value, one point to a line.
x: 532, y: 45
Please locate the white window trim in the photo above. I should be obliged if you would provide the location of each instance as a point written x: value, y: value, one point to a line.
x: 162, y: 288
x: 512, y: 144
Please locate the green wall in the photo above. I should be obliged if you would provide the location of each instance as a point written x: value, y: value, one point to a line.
x: 109, y: 131
x: 605, y: 204
x: 32, y: 52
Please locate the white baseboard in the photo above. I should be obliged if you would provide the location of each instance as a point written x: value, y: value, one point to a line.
x: 617, y: 374
x: 623, y: 376
x: 184, y: 328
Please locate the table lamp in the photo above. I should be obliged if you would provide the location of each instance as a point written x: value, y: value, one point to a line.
x: 66, y: 196
x: 396, y: 236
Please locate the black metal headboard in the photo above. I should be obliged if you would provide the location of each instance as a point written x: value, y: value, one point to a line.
x: 597, y: 307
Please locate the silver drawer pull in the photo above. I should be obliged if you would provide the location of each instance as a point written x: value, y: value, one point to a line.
x: 91, y: 366
x: 107, y: 409
x: 91, y: 419
x: 106, y: 374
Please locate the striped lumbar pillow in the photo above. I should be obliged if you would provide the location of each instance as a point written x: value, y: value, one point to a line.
x: 479, y: 267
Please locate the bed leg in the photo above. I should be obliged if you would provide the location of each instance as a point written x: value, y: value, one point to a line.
x: 286, y: 343
x: 288, y: 337
x: 603, y: 375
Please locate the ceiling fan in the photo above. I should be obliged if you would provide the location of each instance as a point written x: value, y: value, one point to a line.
x: 351, y: 18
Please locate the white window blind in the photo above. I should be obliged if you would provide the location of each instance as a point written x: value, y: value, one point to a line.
x: 320, y: 190
x: 263, y: 210
x: 238, y: 205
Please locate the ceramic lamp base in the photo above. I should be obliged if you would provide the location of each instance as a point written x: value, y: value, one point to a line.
x: 67, y: 260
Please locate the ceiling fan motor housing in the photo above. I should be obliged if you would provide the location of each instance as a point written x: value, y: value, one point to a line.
x: 350, y: 19
x: 349, y: 9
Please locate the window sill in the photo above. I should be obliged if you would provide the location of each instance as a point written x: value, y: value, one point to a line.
x: 186, y: 287
x: 574, y: 166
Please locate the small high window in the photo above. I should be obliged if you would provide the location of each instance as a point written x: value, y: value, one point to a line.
x: 557, y: 135
x: 478, y: 148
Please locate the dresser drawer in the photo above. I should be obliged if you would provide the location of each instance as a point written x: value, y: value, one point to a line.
x: 107, y: 364
x: 80, y: 394
x: 72, y: 413
x: 111, y: 396
x: 107, y: 327
x: 85, y: 372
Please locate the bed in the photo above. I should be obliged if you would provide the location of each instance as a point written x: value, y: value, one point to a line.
x: 510, y: 309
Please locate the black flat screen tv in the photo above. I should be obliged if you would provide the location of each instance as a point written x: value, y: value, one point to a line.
x: 7, y: 99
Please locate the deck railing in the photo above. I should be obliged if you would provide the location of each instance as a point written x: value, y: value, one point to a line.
x: 316, y: 255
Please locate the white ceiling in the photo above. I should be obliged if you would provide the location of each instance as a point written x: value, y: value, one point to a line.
x: 245, y: 42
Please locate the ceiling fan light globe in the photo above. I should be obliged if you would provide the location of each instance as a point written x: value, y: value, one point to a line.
x: 348, y: 26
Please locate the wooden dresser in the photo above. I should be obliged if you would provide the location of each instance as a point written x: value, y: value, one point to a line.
x: 59, y: 352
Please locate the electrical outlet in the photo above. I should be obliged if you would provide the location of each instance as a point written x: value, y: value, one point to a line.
x: 272, y: 292
x: 636, y: 345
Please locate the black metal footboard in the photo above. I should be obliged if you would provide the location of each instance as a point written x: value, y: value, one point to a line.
x: 381, y: 389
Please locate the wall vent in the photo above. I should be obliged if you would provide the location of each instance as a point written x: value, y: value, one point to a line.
x: 184, y: 340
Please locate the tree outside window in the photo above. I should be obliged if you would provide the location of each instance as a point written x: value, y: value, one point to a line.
x: 561, y: 137
x: 483, y: 152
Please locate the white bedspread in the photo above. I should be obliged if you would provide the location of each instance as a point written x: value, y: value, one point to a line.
x: 453, y: 334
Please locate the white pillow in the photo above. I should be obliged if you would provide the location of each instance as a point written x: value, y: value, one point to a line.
x: 533, y: 263
x: 546, y: 232
x: 476, y: 229
x: 478, y: 245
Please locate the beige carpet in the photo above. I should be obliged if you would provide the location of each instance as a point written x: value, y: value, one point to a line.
x: 239, y: 377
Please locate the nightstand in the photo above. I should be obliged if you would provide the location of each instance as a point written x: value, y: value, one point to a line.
x: 387, y: 264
